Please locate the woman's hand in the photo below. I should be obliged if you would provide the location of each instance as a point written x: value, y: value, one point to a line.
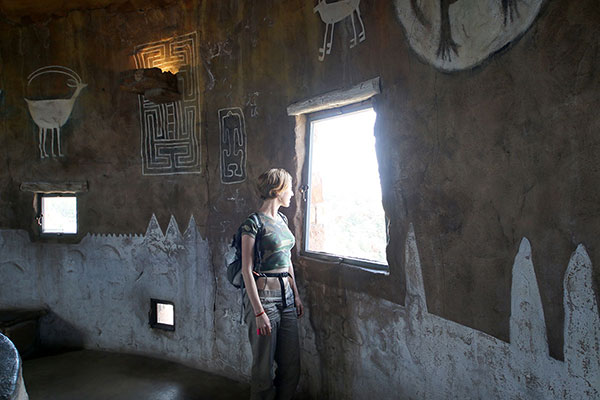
x: 299, y: 306
x: 263, y: 324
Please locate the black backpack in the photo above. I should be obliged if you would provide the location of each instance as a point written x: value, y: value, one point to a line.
x: 234, y: 268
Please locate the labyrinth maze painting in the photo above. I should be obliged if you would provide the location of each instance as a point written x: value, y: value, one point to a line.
x: 170, y: 132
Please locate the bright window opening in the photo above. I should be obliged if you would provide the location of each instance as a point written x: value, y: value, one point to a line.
x: 59, y: 214
x: 165, y: 314
x: 162, y: 314
x: 345, y: 215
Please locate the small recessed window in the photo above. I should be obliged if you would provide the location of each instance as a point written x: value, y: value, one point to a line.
x: 345, y: 219
x: 162, y: 314
x: 58, y: 214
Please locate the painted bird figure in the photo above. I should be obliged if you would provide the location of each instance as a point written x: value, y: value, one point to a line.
x: 447, y: 45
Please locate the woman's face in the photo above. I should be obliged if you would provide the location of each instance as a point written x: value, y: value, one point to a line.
x: 286, y: 196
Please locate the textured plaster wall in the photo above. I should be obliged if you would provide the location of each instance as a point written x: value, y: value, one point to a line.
x: 413, y: 354
x: 98, y: 293
x: 476, y: 160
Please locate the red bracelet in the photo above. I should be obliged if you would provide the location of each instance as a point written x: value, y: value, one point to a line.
x: 260, y: 313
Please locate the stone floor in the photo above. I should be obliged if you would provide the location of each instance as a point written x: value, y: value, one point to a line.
x: 92, y: 375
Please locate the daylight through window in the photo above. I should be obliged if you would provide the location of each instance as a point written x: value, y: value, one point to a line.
x: 162, y: 314
x: 165, y: 314
x: 345, y: 214
x: 59, y: 214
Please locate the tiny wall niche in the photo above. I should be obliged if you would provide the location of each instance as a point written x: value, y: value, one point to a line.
x: 162, y: 314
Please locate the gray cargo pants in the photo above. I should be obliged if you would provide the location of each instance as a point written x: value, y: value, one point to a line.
x: 280, y: 348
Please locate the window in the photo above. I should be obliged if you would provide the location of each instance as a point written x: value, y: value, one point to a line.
x: 344, y: 218
x: 55, y: 209
x: 58, y: 214
x: 162, y: 314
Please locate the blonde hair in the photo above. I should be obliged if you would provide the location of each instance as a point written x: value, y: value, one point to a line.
x: 272, y: 182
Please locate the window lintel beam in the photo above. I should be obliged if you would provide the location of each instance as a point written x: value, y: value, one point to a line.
x: 336, y: 98
x: 55, y: 187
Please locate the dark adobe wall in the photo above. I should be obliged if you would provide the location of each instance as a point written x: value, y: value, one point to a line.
x: 475, y: 159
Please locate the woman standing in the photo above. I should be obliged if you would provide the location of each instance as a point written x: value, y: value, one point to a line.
x: 272, y: 301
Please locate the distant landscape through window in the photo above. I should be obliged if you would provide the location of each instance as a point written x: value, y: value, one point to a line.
x: 346, y: 216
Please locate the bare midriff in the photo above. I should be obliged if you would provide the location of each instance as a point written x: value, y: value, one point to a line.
x: 271, y: 283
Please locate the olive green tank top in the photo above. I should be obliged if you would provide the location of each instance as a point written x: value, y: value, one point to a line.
x: 275, y: 243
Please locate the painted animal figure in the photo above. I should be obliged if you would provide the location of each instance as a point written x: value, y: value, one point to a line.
x: 510, y: 10
x: 335, y: 12
x: 447, y: 45
x: 52, y: 114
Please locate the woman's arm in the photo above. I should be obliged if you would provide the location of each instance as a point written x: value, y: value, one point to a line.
x: 297, y: 301
x: 262, y: 321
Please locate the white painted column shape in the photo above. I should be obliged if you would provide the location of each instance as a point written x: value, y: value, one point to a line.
x: 527, y: 324
x: 415, y: 300
x: 582, y: 324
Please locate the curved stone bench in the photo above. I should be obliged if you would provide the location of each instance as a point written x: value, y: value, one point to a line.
x: 12, y: 386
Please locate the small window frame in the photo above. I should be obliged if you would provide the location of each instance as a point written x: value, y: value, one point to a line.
x: 323, y: 256
x: 153, y: 315
x: 40, y: 216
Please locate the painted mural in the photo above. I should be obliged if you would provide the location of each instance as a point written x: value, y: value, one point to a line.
x: 410, y: 354
x: 111, y: 279
x: 170, y: 132
x: 51, y: 114
x: 413, y: 354
x: 252, y: 103
x: 232, y: 128
x: 458, y: 34
x: 331, y: 13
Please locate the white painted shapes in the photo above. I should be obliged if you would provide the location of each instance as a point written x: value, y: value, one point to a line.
x: 460, y: 34
x: 173, y: 233
x: 163, y: 245
x: 381, y: 349
x: 415, y: 290
x: 105, y: 304
x: 233, y: 149
x: 251, y: 101
x: 51, y: 115
x: 191, y: 232
x: 170, y: 132
x: 153, y: 231
x: 446, y: 357
x: 331, y: 13
x: 527, y: 323
x: 582, y: 324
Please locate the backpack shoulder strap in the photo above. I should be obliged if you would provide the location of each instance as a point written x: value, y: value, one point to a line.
x: 256, y: 218
x: 257, y: 254
x: 283, y: 217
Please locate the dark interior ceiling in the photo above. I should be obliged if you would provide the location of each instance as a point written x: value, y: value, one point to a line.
x: 41, y: 9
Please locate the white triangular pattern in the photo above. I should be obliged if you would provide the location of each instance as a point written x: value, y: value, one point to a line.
x: 154, y: 229
x: 415, y: 289
x: 582, y: 323
x: 173, y: 233
x: 527, y: 323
